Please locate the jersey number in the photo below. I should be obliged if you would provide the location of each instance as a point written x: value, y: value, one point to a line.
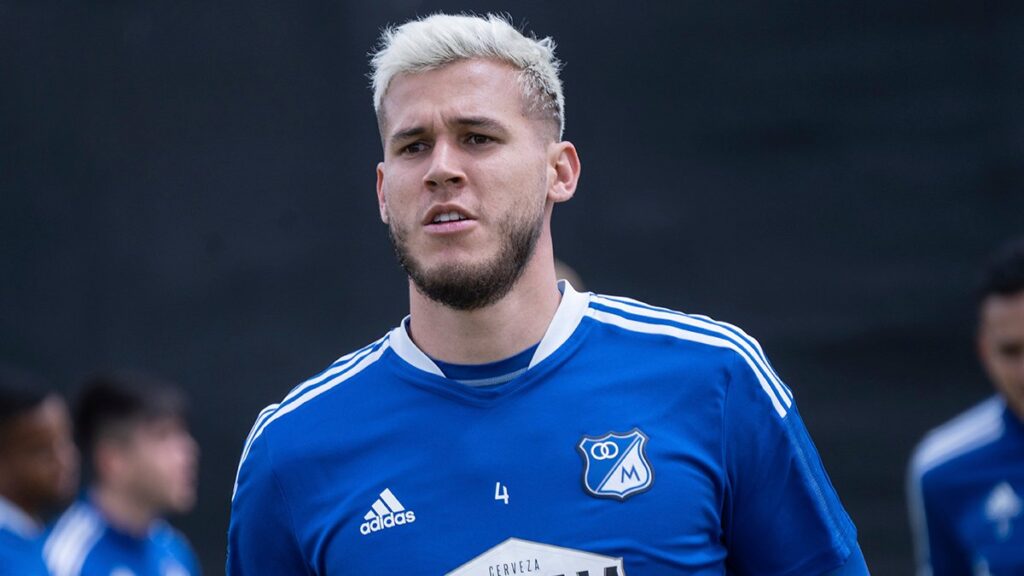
x: 501, y: 492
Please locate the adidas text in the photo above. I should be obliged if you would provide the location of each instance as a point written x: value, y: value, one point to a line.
x: 388, y: 521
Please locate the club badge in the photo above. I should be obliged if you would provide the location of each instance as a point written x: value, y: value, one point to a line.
x: 615, y: 465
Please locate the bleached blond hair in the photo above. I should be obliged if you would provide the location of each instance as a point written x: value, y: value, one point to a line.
x: 435, y: 41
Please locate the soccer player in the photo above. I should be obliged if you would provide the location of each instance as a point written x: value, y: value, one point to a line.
x: 132, y: 429
x: 511, y: 424
x: 966, y: 478
x: 38, y: 468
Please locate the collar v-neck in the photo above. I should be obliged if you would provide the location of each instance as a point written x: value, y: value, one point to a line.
x: 567, y: 317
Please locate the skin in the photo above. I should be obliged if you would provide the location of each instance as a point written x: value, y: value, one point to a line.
x: 460, y: 138
x: 1001, y: 347
x: 38, y: 458
x: 151, y: 471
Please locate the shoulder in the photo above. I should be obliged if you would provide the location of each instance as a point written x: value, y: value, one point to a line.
x: 714, y: 343
x: 314, y: 391
x: 174, y: 542
x: 72, y: 539
x: 964, y: 436
x: 166, y: 535
x: 668, y: 325
x: 344, y: 371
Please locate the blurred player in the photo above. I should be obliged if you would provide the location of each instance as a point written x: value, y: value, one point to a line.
x: 38, y: 468
x: 966, y: 478
x: 512, y: 424
x: 132, y: 430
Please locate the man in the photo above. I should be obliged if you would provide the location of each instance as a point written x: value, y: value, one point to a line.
x: 132, y: 429
x: 966, y: 478
x: 38, y: 468
x: 512, y: 424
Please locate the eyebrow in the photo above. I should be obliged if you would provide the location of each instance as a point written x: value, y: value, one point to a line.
x: 480, y: 122
x: 408, y: 133
x: 465, y: 121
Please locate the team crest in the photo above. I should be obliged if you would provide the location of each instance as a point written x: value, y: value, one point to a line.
x: 1002, y: 508
x: 615, y: 465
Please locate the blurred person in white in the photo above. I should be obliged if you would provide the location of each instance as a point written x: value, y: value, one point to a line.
x: 132, y: 428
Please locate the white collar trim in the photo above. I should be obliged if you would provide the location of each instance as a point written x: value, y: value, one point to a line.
x: 15, y: 519
x: 567, y: 317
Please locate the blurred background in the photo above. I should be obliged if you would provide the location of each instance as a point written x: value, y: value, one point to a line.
x: 188, y: 188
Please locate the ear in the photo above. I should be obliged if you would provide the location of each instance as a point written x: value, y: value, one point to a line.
x: 563, y: 171
x: 381, y: 203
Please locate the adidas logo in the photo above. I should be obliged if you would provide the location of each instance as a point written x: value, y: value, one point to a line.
x: 386, y: 512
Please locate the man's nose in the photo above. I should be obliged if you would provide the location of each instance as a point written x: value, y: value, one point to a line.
x: 445, y: 167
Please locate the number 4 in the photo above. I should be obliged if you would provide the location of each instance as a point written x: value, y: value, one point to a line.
x: 500, y: 492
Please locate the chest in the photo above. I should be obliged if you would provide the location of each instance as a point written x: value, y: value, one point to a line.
x: 545, y: 484
x: 117, y: 556
x: 990, y: 520
x: 20, y: 556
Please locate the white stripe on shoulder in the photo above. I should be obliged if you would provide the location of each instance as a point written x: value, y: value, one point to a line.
x: 71, y: 517
x: 750, y: 340
x: 338, y: 366
x: 975, y: 428
x: 748, y: 346
x: 308, y: 393
x: 16, y: 520
x: 71, y: 541
x: 682, y: 334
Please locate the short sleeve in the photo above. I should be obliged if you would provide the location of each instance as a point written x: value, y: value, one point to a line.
x: 261, y: 538
x: 781, y: 514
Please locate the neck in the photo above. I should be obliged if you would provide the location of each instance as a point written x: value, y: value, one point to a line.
x: 510, y: 325
x: 123, y: 510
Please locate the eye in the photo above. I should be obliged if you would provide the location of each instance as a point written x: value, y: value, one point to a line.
x: 414, y: 148
x: 479, y: 139
x: 1011, y: 350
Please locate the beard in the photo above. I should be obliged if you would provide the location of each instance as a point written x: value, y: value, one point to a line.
x: 473, y: 286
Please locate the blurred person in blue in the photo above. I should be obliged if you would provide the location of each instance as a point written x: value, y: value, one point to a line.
x: 143, y: 461
x: 512, y: 424
x: 966, y: 478
x: 38, y: 467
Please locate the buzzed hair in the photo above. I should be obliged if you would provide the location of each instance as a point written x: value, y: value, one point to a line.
x: 1004, y: 275
x: 435, y: 41
x: 20, y: 392
x: 108, y: 402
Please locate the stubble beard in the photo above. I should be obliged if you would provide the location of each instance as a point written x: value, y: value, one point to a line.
x: 473, y: 286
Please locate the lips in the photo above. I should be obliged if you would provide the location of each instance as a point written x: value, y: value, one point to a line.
x: 446, y: 214
x: 452, y: 216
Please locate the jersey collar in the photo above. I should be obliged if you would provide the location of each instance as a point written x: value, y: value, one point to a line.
x: 1010, y: 417
x: 17, y: 520
x: 563, y: 324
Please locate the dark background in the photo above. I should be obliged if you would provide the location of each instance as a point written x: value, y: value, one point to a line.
x: 187, y: 187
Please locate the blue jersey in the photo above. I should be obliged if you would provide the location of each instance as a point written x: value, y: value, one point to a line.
x: 966, y: 494
x: 83, y: 543
x: 637, y: 441
x: 21, y: 546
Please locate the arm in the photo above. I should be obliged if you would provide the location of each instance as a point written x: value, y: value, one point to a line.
x: 261, y: 536
x: 781, y: 515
